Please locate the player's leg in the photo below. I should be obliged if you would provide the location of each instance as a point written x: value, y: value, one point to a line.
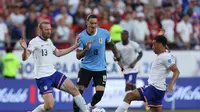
x: 63, y: 83
x: 130, y: 81
x: 156, y: 109
x: 69, y: 87
x: 44, y: 85
x: 48, y: 103
x: 84, y: 77
x: 131, y: 96
x: 156, y: 103
x: 99, y: 79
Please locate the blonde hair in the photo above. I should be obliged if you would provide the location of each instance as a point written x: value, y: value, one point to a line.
x: 43, y: 22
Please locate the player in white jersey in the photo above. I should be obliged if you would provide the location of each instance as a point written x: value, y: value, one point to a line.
x: 42, y: 49
x: 131, y: 53
x: 161, y: 67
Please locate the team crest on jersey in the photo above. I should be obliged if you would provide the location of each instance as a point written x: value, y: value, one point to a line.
x: 45, y: 87
x: 100, y: 40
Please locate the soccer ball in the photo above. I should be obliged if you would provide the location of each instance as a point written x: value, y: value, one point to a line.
x: 98, y: 109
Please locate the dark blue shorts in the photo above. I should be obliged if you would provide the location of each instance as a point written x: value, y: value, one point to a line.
x: 152, y: 96
x: 130, y: 78
x: 46, y: 84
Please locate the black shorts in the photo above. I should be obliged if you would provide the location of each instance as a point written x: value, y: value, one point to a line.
x: 84, y: 77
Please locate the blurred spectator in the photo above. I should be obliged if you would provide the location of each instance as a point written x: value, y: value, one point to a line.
x: 10, y: 64
x: 92, y: 9
x: 184, y: 30
x: 73, y: 5
x: 153, y: 26
x: 67, y: 18
x: 118, y: 6
x: 168, y: 25
x: 138, y: 6
x: 196, y: 29
x: 4, y: 36
x: 44, y: 15
x: 141, y: 31
x: 115, y: 31
x: 158, y: 13
x: 17, y: 20
x: 63, y: 32
x: 30, y: 27
x: 127, y: 23
x: 80, y: 14
x: 194, y: 6
x: 79, y: 27
x: 14, y: 12
x: 104, y: 21
x: 177, y: 14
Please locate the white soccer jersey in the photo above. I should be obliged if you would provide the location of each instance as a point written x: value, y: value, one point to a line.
x: 160, y: 70
x: 129, y: 53
x: 42, y: 52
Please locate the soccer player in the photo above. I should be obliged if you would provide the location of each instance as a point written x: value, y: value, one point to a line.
x: 91, y: 51
x: 161, y: 67
x: 42, y: 49
x: 131, y: 53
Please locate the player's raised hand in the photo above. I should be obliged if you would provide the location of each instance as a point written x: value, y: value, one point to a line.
x: 161, y: 32
x: 76, y: 43
x: 23, y: 43
x: 89, y: 44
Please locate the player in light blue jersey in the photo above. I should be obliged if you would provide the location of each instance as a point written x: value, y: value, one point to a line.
x: 91, y: 51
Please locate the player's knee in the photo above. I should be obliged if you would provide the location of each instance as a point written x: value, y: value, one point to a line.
x: 48, y: 106
x: 130, y: 97
x: 99, y: 94
x: 129, y: 87
x: 80, y: 87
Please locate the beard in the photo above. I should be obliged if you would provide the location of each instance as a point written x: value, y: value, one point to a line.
x: 46, y: 36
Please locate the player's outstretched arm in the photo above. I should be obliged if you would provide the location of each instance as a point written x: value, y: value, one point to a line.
x: 81, y: 53
x: 25, y: 53
x: 176, y: 73
x: 61, y: 52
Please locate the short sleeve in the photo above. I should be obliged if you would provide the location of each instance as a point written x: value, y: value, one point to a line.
x: 52, y: 45
x: 147, y: 29
x: 108, y: 38
x: 178, y: 28
x: 81, y: 46
x: 31, y: 46
x: 136, y: 46
x: 169, y: 61
x: 190, y: 29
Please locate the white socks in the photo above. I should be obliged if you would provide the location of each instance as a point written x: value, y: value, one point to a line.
x: 80, y: 102
x: 123, y: 107
x: 40, y: 108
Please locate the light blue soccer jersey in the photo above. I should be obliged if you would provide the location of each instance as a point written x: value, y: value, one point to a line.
x: 95, y: 58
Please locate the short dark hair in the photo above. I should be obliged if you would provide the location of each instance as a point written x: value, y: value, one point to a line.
x: 9, y: 49
x: 161, y: 39
x: 91, y: 16
x: 124, y: 31
x: 43, y: 22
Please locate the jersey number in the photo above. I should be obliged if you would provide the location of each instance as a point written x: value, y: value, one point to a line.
x: 96, y: 52
x: 44, y: 52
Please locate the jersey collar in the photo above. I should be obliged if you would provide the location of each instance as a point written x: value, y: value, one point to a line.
x: 42, y: 38
x: 93, y: 34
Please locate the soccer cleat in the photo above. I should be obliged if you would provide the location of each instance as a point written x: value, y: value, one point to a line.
x: 147, y: 107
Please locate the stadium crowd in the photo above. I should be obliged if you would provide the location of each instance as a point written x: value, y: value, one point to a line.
x: 141, y: 18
